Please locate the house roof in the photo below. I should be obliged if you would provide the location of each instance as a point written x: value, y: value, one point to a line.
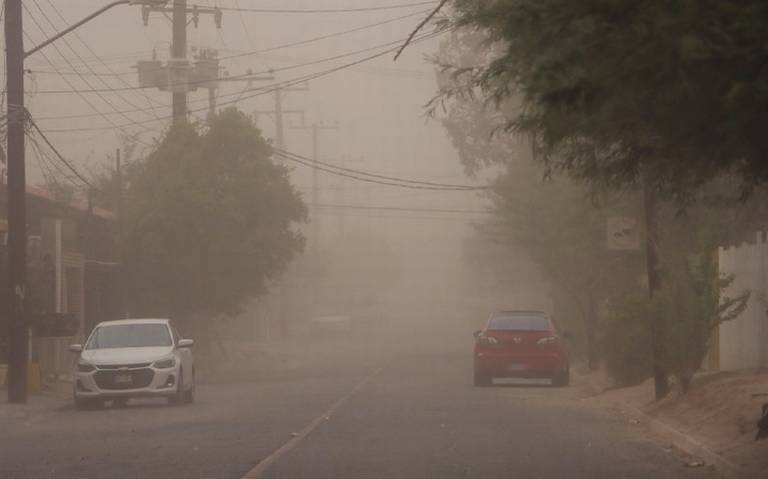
x: 78, y: 204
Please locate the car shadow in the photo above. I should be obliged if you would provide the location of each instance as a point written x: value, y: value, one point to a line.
x: 513, y: 383
x: 133, y: 404
x: 524, y: 386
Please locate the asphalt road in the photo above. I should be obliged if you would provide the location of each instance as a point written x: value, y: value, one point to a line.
x: 410, y: 415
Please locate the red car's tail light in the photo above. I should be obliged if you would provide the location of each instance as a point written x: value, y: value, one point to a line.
x: 489, y: 340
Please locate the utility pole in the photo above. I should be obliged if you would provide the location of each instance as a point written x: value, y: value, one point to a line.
x: 17, y: 234
x: 316, y: 127
x: 248, y: 78
x: 660, y: 378
x: 119, y: 225
x: 178, y: 76
x: 179, y: 60
x: 279, y: 132
x: 119, y: 181
x: 345, y: 161
x: 16, y: 117
x: 279, y: 114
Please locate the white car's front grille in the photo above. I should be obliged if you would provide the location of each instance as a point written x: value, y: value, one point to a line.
x: 124, y: 379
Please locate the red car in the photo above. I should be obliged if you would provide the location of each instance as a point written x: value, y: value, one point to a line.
x: 520, y: 344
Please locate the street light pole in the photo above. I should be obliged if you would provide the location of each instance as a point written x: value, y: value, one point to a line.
x: 91, y: 17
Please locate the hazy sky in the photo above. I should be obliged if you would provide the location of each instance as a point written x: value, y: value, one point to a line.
x: 378, y: 105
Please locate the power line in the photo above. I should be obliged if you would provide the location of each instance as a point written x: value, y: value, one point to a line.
x: 286, y: 154
x: 100, y: 60
x: 69, y: 45
x: 329, y: 10
x: 271, y: 88
x: 45, y: 163
x: 66, y: 80
x: 368, y: 179
x: 59, y: 155
x: 273, y: 48
x: 244, y: 75
x: 58, y: 50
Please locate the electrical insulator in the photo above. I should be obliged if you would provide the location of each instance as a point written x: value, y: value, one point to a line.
x: 217, y: 16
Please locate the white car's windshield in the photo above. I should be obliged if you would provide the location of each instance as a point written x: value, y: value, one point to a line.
x: 129, y: 336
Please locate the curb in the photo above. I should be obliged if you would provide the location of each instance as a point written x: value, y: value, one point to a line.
x: 680, y: 440
x: 688, y: 444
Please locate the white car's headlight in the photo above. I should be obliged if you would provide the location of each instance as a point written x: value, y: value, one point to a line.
x: 85, y: 367
x: 165, y: 363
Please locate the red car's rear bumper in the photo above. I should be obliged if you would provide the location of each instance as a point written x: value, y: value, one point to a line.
x: 520, y: 366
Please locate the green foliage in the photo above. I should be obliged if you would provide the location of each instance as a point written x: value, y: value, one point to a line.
x: 692, y: 305
x: 614, y: 89
x: 207, y: 219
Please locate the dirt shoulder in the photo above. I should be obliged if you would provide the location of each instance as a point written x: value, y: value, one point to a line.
x: 719, y: 412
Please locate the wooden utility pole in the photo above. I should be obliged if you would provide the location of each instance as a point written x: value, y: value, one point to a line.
x: 279, y: 132
x: 279, y: 114
x: 17, y: 234
x: 178, y: 76
x: 314, y: 219
x: 179, y: 53
x: 119, y: 181
x: 660, y: 378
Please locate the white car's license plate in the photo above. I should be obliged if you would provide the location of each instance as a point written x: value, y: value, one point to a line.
x: 123, y: 379
x: 516, y: 366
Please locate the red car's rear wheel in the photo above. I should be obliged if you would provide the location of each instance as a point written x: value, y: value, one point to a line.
x: 482, y: 379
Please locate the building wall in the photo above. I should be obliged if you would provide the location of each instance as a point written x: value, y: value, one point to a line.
x: 743, y: 342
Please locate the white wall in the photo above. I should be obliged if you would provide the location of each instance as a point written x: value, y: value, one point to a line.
x: 744, y: 340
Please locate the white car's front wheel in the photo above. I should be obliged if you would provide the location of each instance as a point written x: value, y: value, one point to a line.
x: 178, y: 396
x: 84, y: 404
x: 189, y: 396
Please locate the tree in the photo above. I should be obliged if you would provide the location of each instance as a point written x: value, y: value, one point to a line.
x: 207, y: 220
x: 620, y: 93
x: 612, y: 91
x: 553, y: 220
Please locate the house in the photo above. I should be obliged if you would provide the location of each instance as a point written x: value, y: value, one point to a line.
x: 72, y: 275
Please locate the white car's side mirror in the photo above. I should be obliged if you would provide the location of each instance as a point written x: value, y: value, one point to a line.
x: 76, y: 348
x: 186, y: 343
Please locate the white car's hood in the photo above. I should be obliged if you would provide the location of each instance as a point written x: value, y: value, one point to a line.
x: 126, y: 355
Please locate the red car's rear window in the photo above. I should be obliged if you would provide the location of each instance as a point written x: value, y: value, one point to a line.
x: 519, y: 322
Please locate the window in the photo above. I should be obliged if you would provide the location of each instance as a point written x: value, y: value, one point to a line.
x: 519, y: 321
x: 130, y: 336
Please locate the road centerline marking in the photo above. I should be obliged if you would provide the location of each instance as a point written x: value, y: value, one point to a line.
x: 259, y: 469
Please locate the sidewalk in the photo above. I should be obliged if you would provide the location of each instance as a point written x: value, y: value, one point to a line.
x: 714, y: 421
x: 12, y: 415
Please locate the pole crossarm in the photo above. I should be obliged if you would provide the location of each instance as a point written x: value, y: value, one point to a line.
x: 195, y: 10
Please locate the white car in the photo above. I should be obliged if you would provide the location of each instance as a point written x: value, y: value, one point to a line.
x: 133, y: 358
